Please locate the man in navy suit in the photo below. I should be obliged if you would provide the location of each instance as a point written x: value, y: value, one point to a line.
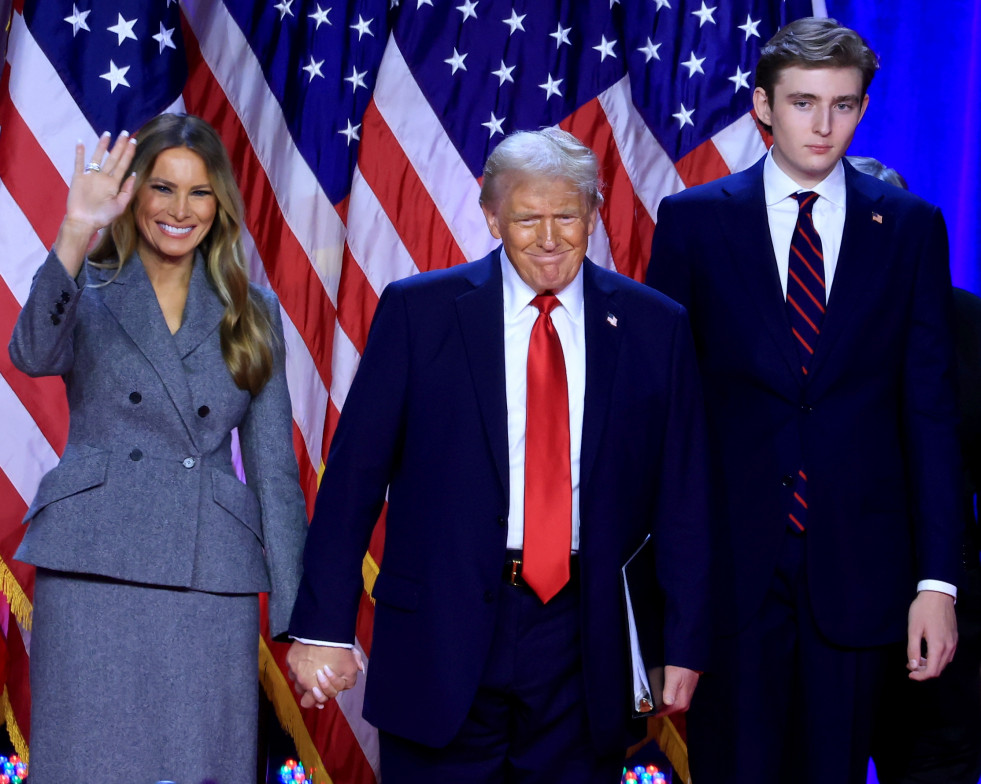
x: 483, y: 668
x: 820, y: 303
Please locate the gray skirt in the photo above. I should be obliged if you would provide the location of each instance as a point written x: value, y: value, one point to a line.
x: 141, y: 684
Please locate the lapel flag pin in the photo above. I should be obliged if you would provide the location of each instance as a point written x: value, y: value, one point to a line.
x: 611, y: 319
x: 876, y: 217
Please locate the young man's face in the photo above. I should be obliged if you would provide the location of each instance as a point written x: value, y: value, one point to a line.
x: 813, y: 115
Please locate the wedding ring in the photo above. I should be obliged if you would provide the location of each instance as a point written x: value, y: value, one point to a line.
x: 93, y: 167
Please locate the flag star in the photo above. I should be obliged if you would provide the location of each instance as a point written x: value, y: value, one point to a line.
x: 684, y: 116
x: 650, y: 51
x: 561, y: 35
x: 515, y: 22
x: 614, y: 2
x: 468, y: 9
x: 662, y: 4
x: 356, y: 79
x: 504, y: 73
x: 77, y: 20
x: 705, y: 14
x: 314, y: 68
x: 494, y: 125
x: 115, y: 77
x: 421, y: 3
x: 740, y: 79
x: 351, y: 132
x: 320, y: 16
x: 285, y: 8
x: 750, y: 27
x: 551, y: 87
x: 694, y: 65
x: 394, y: 4
x: 123, y: 30
x: 363, y: 27
x: 605, y: 48
x: 456, y: 61
x: 165, y: 38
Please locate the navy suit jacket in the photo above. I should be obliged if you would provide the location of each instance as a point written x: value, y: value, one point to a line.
x: 426, y: 420
x: 873, y: 426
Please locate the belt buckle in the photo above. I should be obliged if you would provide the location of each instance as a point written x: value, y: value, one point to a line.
x: 515, y: 576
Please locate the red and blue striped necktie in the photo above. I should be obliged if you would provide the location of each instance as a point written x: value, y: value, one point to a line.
x: 806, y: 299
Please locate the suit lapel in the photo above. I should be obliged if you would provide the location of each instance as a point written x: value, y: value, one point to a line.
x: 202, y: 312
x: 481, y: 315
x: 603, y: 337
x: 132, y: 301
x: 743, y: 220
x: 857, y: 259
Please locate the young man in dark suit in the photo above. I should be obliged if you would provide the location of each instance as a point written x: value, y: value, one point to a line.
x: 821, y: 309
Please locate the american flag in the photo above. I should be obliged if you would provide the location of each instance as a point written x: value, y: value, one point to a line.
x: 359, y: 131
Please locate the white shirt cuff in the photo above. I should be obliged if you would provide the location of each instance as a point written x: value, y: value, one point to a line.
x: 937, y: 585
x: 324, y: 644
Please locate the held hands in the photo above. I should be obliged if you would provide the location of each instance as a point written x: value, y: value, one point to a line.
x: 931, y: 620
x: 96, y: 197
x: 320, y: 673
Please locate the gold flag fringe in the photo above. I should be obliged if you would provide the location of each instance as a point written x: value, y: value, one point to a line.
x: 280, y: 694
x: 20, y: 605
x: 13, y: 728
x: 669, y: 740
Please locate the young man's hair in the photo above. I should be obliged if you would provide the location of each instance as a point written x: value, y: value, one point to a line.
x: 814, y: 42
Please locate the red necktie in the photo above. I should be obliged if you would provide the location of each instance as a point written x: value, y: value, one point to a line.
x: 805, y: 305
x: 548, y: 474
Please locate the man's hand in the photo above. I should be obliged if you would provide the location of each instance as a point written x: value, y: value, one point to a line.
x: 931, y: 619
x: 679, y: 685
x: 319, y: 673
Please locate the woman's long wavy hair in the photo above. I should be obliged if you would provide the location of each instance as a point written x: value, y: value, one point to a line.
x: 247, y: 336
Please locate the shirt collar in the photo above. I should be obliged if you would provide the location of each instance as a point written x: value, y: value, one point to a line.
x: 777, y: 184
x: 518, y: 294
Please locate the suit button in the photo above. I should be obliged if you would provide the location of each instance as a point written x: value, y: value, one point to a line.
x: 203, y: 411
x: 59, y: 307
x: 188, y: 462
x: 489, y: 596
x: 806, y: 408
x: 55, y: 319
x: 135, y: 397
x: 135, y: 455
x: 65, y: 296
x: 502, y: 522
x: 787, y: 481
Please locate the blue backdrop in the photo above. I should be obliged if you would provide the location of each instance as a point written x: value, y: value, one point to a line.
x: 924, y: 116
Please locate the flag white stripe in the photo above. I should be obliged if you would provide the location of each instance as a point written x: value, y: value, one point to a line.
x: 25, y: 454
x: 740, y: 143
x: 20, y: 248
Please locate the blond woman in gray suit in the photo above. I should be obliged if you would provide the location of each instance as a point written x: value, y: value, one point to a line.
x: 150, y: 552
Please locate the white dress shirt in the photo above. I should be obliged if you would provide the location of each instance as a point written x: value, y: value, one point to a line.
x: 829, y: 222
x: 519, y: 317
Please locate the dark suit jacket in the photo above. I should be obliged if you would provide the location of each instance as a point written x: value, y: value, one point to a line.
x: 146, y: 490
x: 873, y: 427
x: 426, y: 419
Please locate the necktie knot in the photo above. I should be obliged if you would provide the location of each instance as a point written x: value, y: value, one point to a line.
x: 546, y: 302
x: 805, y: 201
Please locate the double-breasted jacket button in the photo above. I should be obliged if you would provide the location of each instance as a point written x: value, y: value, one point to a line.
x: 787, y: 481
x: 203, y: 411
x: 65, y: 296
x: 135, y: 455
x: 188, y: 462
x: 135, y: 397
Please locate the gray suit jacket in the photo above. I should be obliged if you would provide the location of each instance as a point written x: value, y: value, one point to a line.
x: 146, y: 490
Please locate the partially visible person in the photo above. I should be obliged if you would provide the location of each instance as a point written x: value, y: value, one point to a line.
x: 531, y: 418
x: 150, y: 552
x: 930, y: 733
x: 821, y: 310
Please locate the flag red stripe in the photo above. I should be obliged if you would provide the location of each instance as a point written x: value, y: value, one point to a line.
x: 33, y: 181
x: 702, y: 164
x: 356, y: 301
x: 404, y: 198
